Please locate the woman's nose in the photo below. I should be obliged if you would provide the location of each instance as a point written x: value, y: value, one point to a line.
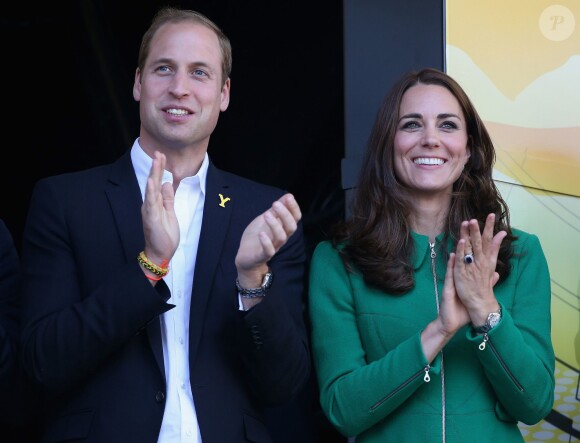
x: 430, y: 137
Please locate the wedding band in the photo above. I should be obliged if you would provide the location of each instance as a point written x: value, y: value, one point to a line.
x: 468, y: 259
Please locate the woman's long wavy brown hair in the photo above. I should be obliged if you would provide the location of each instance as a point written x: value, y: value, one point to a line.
x: 377, y: 236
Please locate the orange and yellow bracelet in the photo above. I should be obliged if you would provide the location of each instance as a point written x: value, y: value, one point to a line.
x: 159, y: 271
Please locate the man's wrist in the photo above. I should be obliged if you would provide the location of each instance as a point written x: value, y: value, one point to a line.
x: 256, y: 290
x: 252, y: 278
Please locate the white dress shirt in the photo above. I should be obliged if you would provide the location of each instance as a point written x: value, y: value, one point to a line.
x: 179, y: 423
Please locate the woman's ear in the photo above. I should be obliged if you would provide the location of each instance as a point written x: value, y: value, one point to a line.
x: 468, y: 149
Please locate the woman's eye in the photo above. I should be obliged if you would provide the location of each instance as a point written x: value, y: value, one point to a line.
x: 411, y: 125
x: 449, y: 125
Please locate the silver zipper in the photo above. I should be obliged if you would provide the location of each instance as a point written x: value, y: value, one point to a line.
x: 434, y: 271
x: 426, y: 378
x: 482, y: 346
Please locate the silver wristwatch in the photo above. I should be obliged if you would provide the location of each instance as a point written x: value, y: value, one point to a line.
x: 256, y: 292
x: 493, y: 319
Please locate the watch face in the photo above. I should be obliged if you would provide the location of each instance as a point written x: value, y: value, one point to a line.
x: 493, y: 319
x: 267, y: 282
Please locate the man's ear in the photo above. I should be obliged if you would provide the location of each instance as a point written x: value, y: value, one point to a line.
x: 137, y: 85
x: 225, y: 95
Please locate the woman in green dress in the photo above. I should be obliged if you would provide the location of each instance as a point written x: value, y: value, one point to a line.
x: 430, y: 313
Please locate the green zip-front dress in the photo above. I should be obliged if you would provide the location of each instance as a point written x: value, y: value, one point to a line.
x: 375, y: 382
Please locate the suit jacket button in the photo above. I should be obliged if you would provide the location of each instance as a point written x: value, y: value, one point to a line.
x: 159, y: 397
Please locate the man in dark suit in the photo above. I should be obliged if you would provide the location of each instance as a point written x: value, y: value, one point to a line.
x: 162, y: 296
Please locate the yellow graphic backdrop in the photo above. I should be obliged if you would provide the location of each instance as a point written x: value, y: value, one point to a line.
x: 519, y: 61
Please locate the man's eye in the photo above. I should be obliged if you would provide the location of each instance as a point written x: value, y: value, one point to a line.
x: 199, y: 73
x: 162, y: 68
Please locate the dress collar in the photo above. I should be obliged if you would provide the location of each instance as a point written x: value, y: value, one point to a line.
x: 422, y: 249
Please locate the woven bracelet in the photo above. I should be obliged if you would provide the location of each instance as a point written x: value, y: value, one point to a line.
x: 150, y: 266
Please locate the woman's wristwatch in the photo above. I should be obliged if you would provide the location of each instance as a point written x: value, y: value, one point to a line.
x: 493, y: 319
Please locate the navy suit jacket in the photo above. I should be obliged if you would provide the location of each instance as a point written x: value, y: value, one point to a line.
x: 92, y: 335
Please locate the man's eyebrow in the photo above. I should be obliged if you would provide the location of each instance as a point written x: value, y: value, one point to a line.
x: 162, y: 60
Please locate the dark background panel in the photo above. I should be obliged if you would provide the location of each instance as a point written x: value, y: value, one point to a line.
x: 382, y: 40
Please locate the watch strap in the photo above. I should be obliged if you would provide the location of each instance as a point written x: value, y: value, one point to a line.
x: 256, y: 292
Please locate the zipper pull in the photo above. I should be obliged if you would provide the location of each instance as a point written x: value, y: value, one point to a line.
x: 432, y: 246
x: 482, y: 344
x: 426, y: 378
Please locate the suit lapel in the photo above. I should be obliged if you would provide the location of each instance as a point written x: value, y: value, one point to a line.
x: 125, y: 198
x: 217, y: 213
